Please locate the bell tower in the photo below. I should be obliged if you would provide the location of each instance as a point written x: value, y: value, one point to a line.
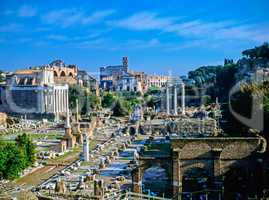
x: 125, y: 63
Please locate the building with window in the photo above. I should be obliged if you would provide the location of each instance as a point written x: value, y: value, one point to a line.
x: 63, y: 74
x: 156, y: 81
x: 85, y: 80
x: 141, y: 80
x: 128, y: 82
x: 33, y: 92
x: 110, y: 75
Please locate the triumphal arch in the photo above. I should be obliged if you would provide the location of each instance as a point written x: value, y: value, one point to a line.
x: 181, y: 156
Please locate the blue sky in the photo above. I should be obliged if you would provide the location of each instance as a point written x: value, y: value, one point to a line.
x: 156, y: 35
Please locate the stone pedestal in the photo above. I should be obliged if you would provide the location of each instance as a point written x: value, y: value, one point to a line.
x: 71, y: 140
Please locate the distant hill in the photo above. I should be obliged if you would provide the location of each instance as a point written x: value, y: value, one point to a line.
x: 225, y: 76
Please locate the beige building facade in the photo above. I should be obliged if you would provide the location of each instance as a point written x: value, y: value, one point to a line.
x: 156, y: 81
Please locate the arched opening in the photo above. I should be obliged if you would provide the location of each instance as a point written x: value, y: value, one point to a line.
x: 132, y: 130
x: 194, y: 183
x: 55, y: 74
x: 242, y: 183
x: 62, y: 74
x: 70, y: 74
x: 156, y: 181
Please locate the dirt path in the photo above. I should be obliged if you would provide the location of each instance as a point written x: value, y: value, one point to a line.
x: 40, y: 175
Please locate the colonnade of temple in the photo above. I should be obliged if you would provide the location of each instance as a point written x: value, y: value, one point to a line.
x: 174, y: 87
x: 55, y: 100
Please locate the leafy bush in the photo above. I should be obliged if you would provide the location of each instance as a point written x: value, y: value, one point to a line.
x: 15, y: 157
x: 121, y: 108
x: 108, y: 100
x: 86, y: 99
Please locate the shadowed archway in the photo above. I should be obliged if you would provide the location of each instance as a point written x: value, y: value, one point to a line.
x: 196, y: 179
x: 62, y: 74
x: 156, y: 181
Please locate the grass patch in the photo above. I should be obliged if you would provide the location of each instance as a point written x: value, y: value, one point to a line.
x: 93, y: 143
x: 73, y: 152
x: 50, y: 135
x: 84, y: 163
x: 6, y: 141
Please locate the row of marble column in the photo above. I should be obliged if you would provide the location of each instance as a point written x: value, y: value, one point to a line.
x: 182, y: 85
x: 55, y: 102
x: 60, y: 100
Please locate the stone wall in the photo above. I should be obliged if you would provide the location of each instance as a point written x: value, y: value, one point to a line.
x: 65, y: 80
x: 18, y: 101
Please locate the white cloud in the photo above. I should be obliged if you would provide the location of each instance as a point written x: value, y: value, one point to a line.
x: 218, y: 30
x: 97, y: 16
x: 144, y: 21
x: 98, y: 43
x: 87, y: 37
x: 23, y: 11
x: 142, y: 44
x: 26, y: 11
x: 41, y: 43
x: 185, y: 45
x: 68, y: 17
x: 77, y: 38
x: 62, y: 17
x: 110, y: 45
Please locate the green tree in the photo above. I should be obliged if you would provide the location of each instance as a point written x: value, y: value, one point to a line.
x: 94, y: 101
x: 225, y: 80
x: 25, y: 143
x: 153, y: 91
x: 257, y: 52
x: 120, y: 108
x: 150, y: 102
x: 76, y: 93
x: 12, y: 160
x: 108, y: 100
x: 204, y: 75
